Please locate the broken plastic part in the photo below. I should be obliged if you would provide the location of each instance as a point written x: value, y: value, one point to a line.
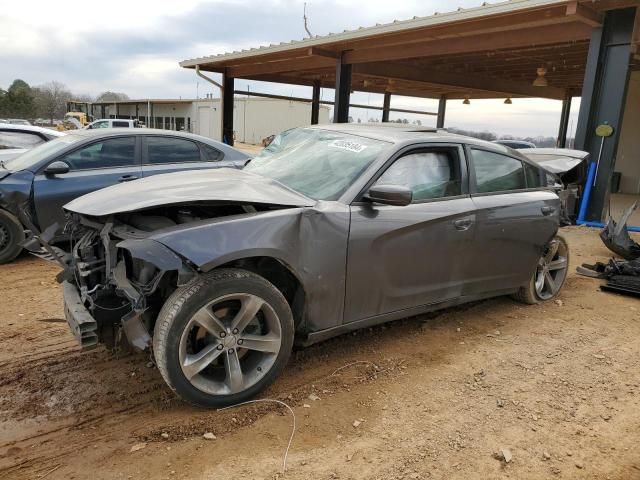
x: 616, y: 236
x: 135, y: 331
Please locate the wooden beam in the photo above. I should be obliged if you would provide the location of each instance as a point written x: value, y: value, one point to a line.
x: 474, y: 82
x: 584, y: 14
x: 541, y: 17
x: 604, y: 5
x: 321, y: 52
x: 281, y: 66
x: 485, y: 42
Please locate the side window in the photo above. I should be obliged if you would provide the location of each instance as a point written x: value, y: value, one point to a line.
x: 171, y: 150
x: 103, y: 124
x: 533, y: 176
x: 211, y: 154
x: 117, y: 124
x: 19, y: 140
x: 110, y: 153
x: 429, y: 175
x: 496, y: 172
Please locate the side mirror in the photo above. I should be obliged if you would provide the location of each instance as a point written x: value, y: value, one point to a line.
x: 390, y: 195
x: 56, y: 168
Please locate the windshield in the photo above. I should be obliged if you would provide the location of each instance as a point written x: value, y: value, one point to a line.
x: 317, y: 163
x: 35, y: 155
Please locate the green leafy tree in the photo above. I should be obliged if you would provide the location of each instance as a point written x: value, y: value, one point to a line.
x: 18, y: 100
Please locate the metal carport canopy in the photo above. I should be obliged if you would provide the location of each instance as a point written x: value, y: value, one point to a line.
x: 489, y: 51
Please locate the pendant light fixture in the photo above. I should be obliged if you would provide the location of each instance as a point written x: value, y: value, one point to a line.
x: 541, y: 79
x: 466, y: 100
x: 508, y: 101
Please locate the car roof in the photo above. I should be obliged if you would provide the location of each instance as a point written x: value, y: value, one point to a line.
x: 401, y: 133
x: 31, y: 128
x: 138, y: 131
x: 118, y: 131
x: 113, y: 120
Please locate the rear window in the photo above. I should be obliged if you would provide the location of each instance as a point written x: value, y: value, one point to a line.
x: 211, y: 154
x: 496, y: 172
x: 19, y: 140
x: 171, y: 150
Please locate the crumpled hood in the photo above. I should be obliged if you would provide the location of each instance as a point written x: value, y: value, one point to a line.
x: 220, y: 184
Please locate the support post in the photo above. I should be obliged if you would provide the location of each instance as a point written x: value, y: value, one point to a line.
x: 603, y: 100
x: 315, y: 103
x: 227, y: 109
x: 117, y: 110
x: 442, y: 110
x: 343, y: 92
x: 564, y: 122
x: 386, y: 106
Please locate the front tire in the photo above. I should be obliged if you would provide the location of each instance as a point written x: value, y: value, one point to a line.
x: 11, y: 237
x: 549, y: 276
x: 223, y: 338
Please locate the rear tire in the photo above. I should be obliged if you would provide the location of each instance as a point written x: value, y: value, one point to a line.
x: 223, y: 338
x: 549, y: 275
x: 11, y: 237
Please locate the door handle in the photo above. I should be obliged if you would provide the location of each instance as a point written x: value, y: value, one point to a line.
x: 127, y: 178
x: 548, y: 210
x: 462, y: 224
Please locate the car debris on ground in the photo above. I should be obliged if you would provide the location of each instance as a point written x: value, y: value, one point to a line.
x: 623, y: 276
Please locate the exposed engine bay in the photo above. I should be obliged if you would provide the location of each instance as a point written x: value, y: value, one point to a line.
x: 122, y: 278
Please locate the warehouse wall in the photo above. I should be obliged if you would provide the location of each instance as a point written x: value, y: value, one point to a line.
x: 254, y: 118
x: 258, y: 118
x: 628, y: 155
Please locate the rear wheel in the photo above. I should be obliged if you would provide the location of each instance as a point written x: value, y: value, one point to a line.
x: 550, y: 275
x: 224, y: 338
x: 11, y: 237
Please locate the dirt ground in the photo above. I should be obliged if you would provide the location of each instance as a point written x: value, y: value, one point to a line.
x: 557, y: 385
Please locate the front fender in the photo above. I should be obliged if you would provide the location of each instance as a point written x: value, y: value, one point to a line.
x: 160, y: 256
x: 222, y: 240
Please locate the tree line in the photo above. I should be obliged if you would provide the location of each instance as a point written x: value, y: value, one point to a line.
x: 47, y: 101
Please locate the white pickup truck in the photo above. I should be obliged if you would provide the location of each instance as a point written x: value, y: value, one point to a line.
x: 113, y: 123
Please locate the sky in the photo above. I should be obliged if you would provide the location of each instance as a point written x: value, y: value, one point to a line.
x: 134, y: 46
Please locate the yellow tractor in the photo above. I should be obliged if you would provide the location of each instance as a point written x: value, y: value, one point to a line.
x: 74, y: 121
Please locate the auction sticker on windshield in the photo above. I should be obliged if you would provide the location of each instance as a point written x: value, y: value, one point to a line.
x: 354, y: 147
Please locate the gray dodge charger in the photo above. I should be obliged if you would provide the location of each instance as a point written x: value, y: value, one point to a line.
x: 330, y: 229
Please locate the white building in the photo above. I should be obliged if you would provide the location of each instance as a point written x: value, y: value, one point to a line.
x: 254, y: 118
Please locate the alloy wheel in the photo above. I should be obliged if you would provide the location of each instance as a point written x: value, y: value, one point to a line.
x: 5, y: 237
x: 230, y: 344
x: 552, y: 270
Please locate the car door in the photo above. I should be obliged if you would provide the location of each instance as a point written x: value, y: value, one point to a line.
x: 165, y: 154
x: 401, y: 257
x: 92, y: 166
x: 516, y: 218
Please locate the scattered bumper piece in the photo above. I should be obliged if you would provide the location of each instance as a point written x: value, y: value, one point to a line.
x: 616, y: 236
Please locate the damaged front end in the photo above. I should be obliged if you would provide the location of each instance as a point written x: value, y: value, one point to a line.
x: 116, y: 281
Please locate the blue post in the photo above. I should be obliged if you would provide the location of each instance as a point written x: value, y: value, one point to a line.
x: 584, y: 202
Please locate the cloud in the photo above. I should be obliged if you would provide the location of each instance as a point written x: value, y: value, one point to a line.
x: 135, y: 47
